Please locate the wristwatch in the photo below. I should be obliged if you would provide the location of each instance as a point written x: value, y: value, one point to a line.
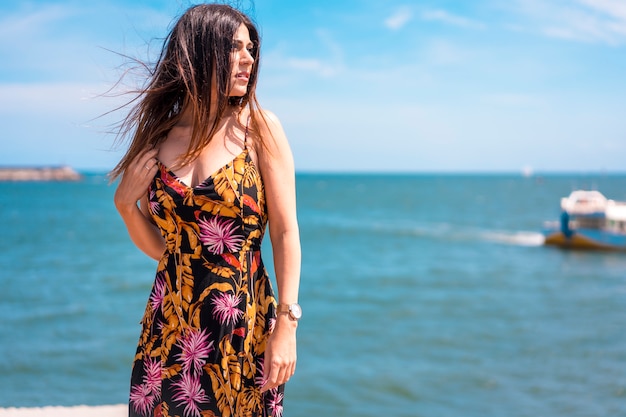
x: 294, y: 310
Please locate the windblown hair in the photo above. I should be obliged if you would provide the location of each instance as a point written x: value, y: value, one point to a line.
x: 195, y: 58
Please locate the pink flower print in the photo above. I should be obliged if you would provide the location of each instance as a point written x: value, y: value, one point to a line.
x: 158, y: 292
x: 161, y: 325
x: 272, y: 324
x: 195, y: 346
x: 152, y: 376
x: 218, y: 235
x: 154, y: 207
x: 190, y: 393
x: 260, y: 378
x: 226, y: 308
x: 276, y: 402
x: 141, y: 399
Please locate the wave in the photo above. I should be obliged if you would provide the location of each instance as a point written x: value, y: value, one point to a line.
x: 508, y: 237
x: 520, y: 238
x: 448, y: 231
x: 438, y: 231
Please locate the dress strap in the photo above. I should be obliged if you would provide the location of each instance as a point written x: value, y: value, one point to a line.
x: 245, y: 138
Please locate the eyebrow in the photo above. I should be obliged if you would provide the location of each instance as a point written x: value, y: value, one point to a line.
x: 239, y: 41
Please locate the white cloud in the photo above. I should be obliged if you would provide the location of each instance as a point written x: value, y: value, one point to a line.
x: 444, y: 52
x: 65, y: 42
x: 451, y: 19
x: 590, y: 21
x: 321, y: 68
x: 20, y: 25
x: 329, y: 61
x: 399, y: 18
x: 613, y: 8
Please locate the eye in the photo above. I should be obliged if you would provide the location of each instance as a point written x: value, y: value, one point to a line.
x: 238, y: 45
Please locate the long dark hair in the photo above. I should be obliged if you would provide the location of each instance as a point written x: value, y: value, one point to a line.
x: 195, y: 58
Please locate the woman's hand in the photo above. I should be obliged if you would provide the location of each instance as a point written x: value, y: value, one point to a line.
x: 280, y: 353
x: 135, y: 181
x: 134, y: 187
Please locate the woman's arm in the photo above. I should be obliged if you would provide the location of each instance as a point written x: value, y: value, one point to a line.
x: 131, y: 189
x: 278, y: 173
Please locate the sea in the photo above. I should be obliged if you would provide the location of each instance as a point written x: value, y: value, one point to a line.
x: 423, y: 295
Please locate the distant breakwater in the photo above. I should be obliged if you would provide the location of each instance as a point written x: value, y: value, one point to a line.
x: 62, y: 173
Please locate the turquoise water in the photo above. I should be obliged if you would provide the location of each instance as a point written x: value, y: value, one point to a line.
x: 424, y: 295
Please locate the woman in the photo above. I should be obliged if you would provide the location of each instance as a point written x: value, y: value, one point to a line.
x: 209, y: 169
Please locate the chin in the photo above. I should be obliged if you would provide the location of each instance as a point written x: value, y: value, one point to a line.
x: 238, y: 93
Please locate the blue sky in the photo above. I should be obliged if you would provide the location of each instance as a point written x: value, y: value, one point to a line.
x: 359, y: 85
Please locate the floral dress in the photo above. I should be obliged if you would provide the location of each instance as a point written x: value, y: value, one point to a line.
x: 212, y: 307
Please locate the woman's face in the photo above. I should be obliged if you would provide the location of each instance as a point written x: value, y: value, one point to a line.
x: 242, y: 61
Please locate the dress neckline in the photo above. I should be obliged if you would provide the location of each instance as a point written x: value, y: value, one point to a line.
x: 243, y: 153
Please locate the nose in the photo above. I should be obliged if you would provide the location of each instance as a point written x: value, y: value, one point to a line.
x: 246, y: 57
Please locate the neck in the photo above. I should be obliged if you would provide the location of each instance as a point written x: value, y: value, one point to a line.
x: 187, y: 119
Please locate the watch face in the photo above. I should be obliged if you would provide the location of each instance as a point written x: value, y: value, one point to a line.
x: 296, y: 311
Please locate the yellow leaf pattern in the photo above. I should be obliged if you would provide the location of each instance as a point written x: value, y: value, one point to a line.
x: 212, y: 307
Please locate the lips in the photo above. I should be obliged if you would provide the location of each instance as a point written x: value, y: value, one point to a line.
x: 243, y: 76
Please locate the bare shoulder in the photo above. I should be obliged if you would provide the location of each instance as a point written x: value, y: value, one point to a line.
x: 270, y: 124
x: 270, y: 116
x: 271, y: 131
x: 275, y: 145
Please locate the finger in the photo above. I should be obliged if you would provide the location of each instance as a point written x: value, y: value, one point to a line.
x: 148, y: 159
x: 291, y: 369
x: 143, y: 158
x: 266, y: 371
x: 147, y: 168
x: 150, y: 167
x: 150, y: 154
x: 271, y: 380
x: 283, y: 375
x: 144, y: 172
x: 138, y: 176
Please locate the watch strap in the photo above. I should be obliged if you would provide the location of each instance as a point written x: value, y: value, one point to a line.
x: 287, y: 309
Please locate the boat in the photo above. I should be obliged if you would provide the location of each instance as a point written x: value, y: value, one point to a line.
x: 588, y: 221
